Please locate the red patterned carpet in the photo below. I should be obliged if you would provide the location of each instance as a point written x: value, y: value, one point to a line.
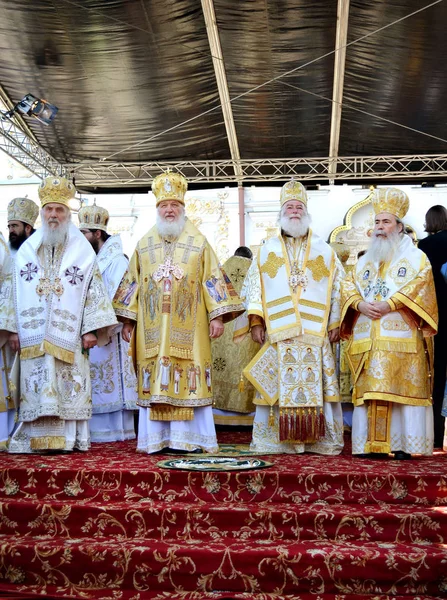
x: 110, y: 524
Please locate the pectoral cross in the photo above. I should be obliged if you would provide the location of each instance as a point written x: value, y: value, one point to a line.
x: 164, y: 271
x: 45, y: 287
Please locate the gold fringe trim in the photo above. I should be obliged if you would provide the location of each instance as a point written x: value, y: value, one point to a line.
x: 360, y: 346
x: 409, y: 346
x: 31, y: 352
x: 241, y: 420
x: 286, y: 334
x: 166, y: 412
x: 184, y: 353
x: 56, y: 442
x: 241, y: 385
x: 59, y: 353
x: 149, y: 352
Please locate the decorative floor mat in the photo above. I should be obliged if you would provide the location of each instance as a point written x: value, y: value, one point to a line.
x: 214, y: 463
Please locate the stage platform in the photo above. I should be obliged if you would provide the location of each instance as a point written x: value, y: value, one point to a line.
x: 111, y: 524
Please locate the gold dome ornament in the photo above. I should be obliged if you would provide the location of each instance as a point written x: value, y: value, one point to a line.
x: 391, y: 200
x: 56, y: 189
x: 293, y: 190
x: 93, y: 217
x: 23, y: 209
x: 169, y: 186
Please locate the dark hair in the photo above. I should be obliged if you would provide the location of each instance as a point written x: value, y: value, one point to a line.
x: 104, y: 236
x: 244, y: 252
x: 436, y: 219
x: 28, y: 225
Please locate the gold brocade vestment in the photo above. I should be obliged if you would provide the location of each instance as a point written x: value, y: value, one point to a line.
x: 171, y: 344
x: 390, y: 358
x: 230, y: 358
x: 294, y: 287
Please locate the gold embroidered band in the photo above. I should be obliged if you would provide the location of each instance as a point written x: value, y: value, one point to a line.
x: 282, y: 313
x: 309, y: 317
x: 166, y: 412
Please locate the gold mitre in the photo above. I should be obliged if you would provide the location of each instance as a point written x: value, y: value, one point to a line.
x: 23, y: 209
x: 169, y: 186
x: 93, y: 217
x: 293, y: 190
x: 56, y: 189
x: 391, y: 200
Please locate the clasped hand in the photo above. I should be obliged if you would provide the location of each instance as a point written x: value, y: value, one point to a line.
x: 374, y: 310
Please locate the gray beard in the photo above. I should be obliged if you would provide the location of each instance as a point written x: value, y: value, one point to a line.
x: 170, y: 230
x: 382, y: 249
x: 54, y: 237
x: 296, y: 229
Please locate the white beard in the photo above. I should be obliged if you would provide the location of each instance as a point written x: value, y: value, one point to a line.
x: 55, y: 237
x: 293, y: 227
x: 382, y: 249
x: 171, y: 230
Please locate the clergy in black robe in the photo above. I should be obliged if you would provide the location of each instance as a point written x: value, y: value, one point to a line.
x: 435, y: 247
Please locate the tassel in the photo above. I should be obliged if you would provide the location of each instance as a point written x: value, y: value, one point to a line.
x: 271, y: 418
x: 241, y: 384
x: 294, y: 427
x: 322, y: 424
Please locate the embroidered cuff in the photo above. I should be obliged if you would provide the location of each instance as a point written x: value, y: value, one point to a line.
x: 255, y: 320
x: 394, y: 304
x: 355, y: 306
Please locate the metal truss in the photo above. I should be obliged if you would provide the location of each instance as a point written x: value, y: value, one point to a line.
x: 26, y: 151
x: 141, y: 174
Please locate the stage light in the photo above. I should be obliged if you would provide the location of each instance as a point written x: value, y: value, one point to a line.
x: 42, y: 110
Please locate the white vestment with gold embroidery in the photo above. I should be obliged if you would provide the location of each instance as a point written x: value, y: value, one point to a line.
x: 55, y: 402
x: 114, y: 384
x: 294, y: 286
x: 7, y: 409
x: 391, y: 357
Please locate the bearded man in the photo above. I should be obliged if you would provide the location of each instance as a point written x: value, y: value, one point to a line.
x: 389, y: 313
x: 22, y: 215
x: 176, y: 294
x: 62, y: 310
x: 292, y: 299
x: 113, y: 378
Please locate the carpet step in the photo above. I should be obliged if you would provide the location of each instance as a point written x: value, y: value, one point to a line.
x: 182, y: 522
x: 307, y: 480
x: 8, y: 592
x: 271, y: 567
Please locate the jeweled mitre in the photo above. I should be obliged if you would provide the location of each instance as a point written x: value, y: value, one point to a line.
x: 93, y: 217
x: 391, y: 200
x: 23, y: 209
x: 169, y: 186
x: 56, y: 189
x: 293, y: 190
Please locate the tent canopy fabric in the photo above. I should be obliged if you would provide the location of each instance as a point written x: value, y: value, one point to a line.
x: 135, y: 80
